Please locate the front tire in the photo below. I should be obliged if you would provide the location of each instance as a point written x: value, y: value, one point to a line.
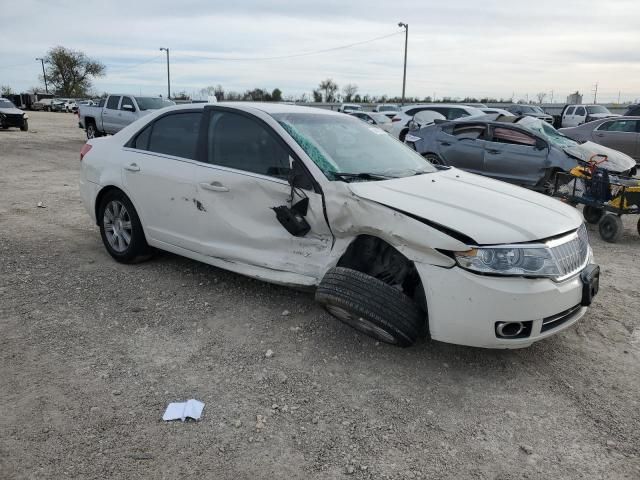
x: 25, y: 126
x: 121, y: 229
x: 92, y: 131
x: 611, y: 228
x: 371, y: 306
x: 433, y: 159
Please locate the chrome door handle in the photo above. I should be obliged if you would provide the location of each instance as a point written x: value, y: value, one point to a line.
x: 132, y: 167
x: 214, y: 187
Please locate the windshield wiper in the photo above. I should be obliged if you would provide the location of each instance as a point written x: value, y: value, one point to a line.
x: 347, y: 177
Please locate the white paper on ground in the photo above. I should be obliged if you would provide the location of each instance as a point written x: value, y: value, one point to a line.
x: 183, y: 410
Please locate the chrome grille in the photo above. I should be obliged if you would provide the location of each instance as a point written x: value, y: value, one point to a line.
x: 571, y: 252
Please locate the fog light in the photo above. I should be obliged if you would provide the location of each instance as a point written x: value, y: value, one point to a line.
x: 513, y: 329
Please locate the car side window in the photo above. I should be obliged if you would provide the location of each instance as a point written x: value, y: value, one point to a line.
x: 469, y: 131
x: 456, y: 113
x: 580, y: 111
x: 570, y: 111
x: 126, y: 101
x: 629, y: 126
x: 507, y: 135
x: 112, y: 103
x: 141, y: 141
x: 176, y: 134
x: 240, y: 142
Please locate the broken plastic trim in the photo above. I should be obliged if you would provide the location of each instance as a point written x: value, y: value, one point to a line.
x: 292, y: 219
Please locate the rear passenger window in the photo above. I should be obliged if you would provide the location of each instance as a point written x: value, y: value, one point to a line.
x: 241, y: 142
x: 469, y: 131
x: 176, y: 135
x: 506, y: 135
x: 112, y: 103
x: 142, y: 140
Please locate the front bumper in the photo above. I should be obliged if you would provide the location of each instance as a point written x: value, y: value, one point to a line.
x: 11, y: 120
x: 463, y: 307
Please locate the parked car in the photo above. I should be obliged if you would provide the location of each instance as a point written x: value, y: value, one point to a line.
x: 387, y: 108
x: 530, y: 111
x: 497, y: 111
x: 525, y: 151
x: 476, y: 105
x: 574, y: 115
x: 620, y: 133
x: 10, y: 116
x: 349, y: 107
x: 308, y: 197
x: 449, y: 112
x: 632, y: 111
x: 375, y: 118
x: 116, y: 112
x: 57, y: 105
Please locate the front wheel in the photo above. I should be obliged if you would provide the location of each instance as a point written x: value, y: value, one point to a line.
x: 611, y: 228
x: 433, y: 159
x: 25, y: 126
x: 92, y: 131
x: 370, y: 306
x: 121, y: 229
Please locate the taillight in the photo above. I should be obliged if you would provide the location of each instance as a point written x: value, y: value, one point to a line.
x: 395, y: 119
x: 85, y: 149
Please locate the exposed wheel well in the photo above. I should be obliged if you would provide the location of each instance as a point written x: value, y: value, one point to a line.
x: 375, y: 257
x: 101, y: 194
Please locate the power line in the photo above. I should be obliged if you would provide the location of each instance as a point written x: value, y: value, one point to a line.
x: 303, y: 54
x: 129, y: 67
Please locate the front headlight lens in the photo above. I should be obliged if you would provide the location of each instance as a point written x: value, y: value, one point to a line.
x: 509, y: 261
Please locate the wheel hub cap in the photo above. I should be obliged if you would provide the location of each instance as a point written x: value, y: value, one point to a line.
x: 117, y: 226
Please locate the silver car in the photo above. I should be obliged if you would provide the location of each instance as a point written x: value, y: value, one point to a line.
x: 525, y: 151
x: 620, y: 133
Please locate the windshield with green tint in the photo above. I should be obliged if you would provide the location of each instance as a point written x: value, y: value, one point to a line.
x: 545, y: 130
x: 345, y: 148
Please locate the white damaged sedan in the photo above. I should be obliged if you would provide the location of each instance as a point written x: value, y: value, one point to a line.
x: 395, y: 247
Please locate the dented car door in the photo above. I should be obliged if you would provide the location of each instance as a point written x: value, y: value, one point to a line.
x: 245, y: 177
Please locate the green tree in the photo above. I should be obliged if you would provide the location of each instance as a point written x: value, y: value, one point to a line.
x: 276, y: 95
x: 329, y: 87
x: 71, y: 71
x: 317, y: 96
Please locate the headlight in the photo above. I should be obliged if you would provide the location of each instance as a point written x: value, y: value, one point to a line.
x: 25, y: 116
x: 536, y: 261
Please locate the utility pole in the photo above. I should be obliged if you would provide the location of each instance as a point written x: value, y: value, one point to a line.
x: 168, y: 74
x: 619, y: 92
x: 406, y: 41
x: 551, y: 96
x: 44, y: 75
x: 595, y: 93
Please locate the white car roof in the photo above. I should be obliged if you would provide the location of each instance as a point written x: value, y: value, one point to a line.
x: 270, y: 108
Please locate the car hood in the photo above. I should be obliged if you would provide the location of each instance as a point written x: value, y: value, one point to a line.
x: 488, y: 211
x: 538, y: 115
x: 616, y: 161
x: 11, y: 111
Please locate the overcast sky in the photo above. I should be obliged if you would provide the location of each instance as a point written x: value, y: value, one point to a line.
x: 456, y: 47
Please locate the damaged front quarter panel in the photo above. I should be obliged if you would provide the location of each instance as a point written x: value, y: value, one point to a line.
x: 350, y: 215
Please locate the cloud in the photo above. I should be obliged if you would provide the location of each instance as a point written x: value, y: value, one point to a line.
x: 456, y: 48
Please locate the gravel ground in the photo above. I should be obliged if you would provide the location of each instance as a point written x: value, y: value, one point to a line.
x: 92, y: 351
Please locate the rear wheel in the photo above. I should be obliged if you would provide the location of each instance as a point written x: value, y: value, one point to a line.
x: 121, y: 229
x: 592, y: 214
x: 433, y: 159
x: 611, y: 228
x: 371, y: 306
x: 92, y: 131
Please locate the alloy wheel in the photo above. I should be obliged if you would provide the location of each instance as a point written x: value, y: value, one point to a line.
x: 117, y: 226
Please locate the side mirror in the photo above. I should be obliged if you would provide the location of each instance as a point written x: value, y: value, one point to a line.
x: 128, y: 108
x: 299, y: 177
x: 371, y: 121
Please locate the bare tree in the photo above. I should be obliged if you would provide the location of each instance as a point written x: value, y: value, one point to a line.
x: 541, y: 96
x: 330, y: 88
x: 349, y: 90
x: 5, y: 90
x: 71, y: 71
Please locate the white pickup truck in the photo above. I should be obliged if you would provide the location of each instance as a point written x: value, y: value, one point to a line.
x: 115, y: 112
x: 574, y: 115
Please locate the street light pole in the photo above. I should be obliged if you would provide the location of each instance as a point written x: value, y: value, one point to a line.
x: 168, y: 75
x: 406, y: 40
x: 44, y: 75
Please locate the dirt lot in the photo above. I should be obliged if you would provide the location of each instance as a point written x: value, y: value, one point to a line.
x: 91, y: 352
